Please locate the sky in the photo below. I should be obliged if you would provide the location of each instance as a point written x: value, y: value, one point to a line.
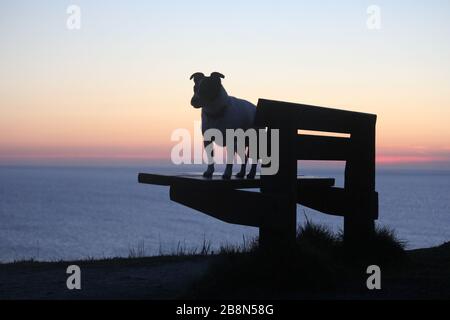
x: 117, y: 88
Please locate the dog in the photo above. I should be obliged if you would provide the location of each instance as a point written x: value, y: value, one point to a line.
x: 221, y: 111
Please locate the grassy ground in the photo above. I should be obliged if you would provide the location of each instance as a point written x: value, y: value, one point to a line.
x: 319, y: 266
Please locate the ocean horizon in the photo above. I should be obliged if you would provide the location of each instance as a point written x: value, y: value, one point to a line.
x: 50, y: 213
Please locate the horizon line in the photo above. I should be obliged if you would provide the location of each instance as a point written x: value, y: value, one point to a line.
x: 125, y: 160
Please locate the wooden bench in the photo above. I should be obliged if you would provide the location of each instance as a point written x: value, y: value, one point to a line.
x: 274, y: 209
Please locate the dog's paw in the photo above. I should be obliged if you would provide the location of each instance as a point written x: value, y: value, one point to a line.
x: 207, y: 174
x: 251, y: 176
x: 226, y: 176
x: 240, y: 175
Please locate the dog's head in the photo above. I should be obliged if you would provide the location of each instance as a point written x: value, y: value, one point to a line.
x: 206, y: 89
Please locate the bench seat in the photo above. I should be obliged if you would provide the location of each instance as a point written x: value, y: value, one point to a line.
x: 197, y: 180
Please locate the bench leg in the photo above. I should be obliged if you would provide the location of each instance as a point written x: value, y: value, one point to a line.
x: 280, y: 232
x: 358, y: 231
x: 273, y: 239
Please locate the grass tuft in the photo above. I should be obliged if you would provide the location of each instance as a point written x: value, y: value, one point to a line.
x: 138, y: 252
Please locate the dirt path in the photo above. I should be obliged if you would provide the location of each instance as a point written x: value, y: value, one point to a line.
x: 149, y: 278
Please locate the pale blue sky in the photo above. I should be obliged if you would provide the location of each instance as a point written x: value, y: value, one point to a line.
x: 129, y: 63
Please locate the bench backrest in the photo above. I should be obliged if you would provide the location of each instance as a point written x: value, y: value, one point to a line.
x: 358, y: 150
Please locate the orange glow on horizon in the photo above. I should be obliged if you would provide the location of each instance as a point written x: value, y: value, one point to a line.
x: 163, y: 155
x: 386, y: 159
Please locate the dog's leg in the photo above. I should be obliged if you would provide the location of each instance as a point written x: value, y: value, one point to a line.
x: 241, y: 174
x: 209, y: 147
x: 252, y: 173
x: 228, y: 172
x: 229, y: 168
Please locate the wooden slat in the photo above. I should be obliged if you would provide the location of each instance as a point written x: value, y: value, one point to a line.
x: 308, y: 117
x: 197, y: 180
x: 339, y: 202
x: 232, y: 206
x: 311, y: 147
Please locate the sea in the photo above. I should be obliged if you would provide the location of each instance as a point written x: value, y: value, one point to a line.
x: 54, y: 213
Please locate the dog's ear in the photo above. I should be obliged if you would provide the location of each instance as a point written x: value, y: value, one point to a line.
x: 197, y: 76
x: 217, y: 75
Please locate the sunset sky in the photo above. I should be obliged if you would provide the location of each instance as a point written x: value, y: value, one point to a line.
x: 118, y: 87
